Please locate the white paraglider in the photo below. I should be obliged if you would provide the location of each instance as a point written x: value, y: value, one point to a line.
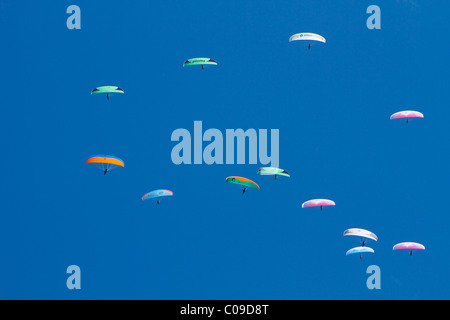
x: 308, y: 38
x: 361, y: 235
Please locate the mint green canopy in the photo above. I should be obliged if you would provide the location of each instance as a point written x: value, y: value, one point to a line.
x: 199, y: 61
x: 273, y: 171
x: 107, y: 90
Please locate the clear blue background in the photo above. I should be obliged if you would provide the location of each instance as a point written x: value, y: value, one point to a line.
x: 331, y: 104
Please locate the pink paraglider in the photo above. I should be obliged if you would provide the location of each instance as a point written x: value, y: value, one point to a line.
x: 318, y: 203
x: 407, y: 114
x: 409, y: 246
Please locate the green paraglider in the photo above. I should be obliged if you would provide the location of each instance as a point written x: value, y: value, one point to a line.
x: 108, y: 90
x: 199, y: 61
x: 266, y: 171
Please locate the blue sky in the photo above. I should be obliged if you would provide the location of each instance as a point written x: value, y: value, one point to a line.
x: 331, y: 105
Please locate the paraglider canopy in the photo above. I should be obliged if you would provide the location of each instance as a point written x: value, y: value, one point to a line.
x: 360, y: 251
x: 318, y: 203
x: 199, y: 61
x: 244, y: 182
x: 409, y: 246
x: 407, y: 114
x: 156, y: 194
x: 273, y: 171
x: 106, y: 162
x: 108, y: 90
x: 361, y: 234
x: 307, y: 37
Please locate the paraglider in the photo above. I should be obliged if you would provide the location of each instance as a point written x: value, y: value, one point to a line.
x: 199, y: 61
x: 407, y: 114
x: 107, y: 90
x: 106, y: 162
x: 360, y: 251
x: 361, y: 234
x: 243, y: 182
x: 409, y: 246
x: 273, y: 171
x: 156, y: 194
x: 318, y: 203
x: 308, y: 37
